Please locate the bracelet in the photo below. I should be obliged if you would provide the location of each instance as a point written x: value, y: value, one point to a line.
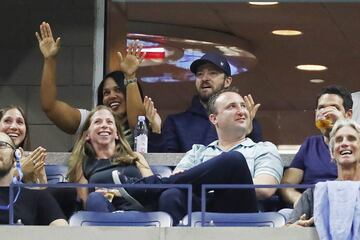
x: 128, y: 81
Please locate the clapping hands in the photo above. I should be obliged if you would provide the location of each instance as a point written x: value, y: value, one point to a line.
x: 251, y: 106
x: 152, y: 115
x: 33, y: 166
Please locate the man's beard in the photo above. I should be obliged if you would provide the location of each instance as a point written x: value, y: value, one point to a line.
x: 5, y: 170
x: 205, y: 98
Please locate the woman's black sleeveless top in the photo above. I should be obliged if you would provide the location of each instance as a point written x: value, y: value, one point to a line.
x: 100, y: 170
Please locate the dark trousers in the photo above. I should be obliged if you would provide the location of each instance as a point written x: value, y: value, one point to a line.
x: 66, y: 198
x: 227, y: 168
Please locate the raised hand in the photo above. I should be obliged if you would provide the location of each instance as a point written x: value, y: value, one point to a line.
x: 250, y: 105
x: 27, y: 167
x: 49, y: 48
x: 132, y: 60
x: 152, y: 115
x: 39, y: 168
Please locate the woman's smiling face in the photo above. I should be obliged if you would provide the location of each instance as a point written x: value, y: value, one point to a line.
x: 102, y: 129
x: 13, y: 124
x: 346, y: 146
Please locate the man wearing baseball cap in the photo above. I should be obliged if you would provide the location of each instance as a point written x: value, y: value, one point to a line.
x: 212, y: 72
x: 182, y: 130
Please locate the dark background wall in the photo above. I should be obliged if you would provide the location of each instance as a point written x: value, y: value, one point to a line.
x: 21, y: 60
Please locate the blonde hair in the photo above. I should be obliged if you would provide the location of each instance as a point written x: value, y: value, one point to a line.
x: 337, y: 126
x: 83, y: 149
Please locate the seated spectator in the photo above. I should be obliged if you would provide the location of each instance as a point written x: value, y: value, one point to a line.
x: 344, y: 146
x: 228, y: 113
x: 118, y: 90
x: 31, y: 207
x: 101, y: 155
x: 181, y: 131
x: 313, y: 163
x: 14, y: 123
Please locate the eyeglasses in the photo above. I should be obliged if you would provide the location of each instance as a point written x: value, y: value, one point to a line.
x: 4, y: 145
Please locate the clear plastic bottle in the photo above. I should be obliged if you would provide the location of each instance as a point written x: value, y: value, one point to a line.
x: 141, y: 135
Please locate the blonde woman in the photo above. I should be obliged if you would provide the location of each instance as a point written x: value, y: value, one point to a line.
x: 102, y: 155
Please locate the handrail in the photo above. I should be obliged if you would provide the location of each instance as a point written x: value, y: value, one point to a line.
x: 204, y: 188
x: 167, y: 159
x: 98, y: 185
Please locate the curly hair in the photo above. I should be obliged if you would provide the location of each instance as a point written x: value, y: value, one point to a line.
x: 118, y: 77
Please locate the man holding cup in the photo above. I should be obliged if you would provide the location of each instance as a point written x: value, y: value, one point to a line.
x: 313, y: 162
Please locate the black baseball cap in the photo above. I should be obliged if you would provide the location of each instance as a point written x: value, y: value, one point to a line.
x: 214, y: 58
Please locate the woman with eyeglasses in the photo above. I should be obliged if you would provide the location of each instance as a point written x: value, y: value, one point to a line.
x: 13, y: 122
x: 31, y: 207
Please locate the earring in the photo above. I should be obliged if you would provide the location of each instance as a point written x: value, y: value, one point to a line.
x: 17, y: 154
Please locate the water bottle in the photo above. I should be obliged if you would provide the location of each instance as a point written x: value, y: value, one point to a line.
x: 141, y: 135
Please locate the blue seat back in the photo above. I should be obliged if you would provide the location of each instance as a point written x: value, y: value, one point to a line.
x: 286, y: 212
x: 162, y: 170
x: 126, y: 218
x: 56, y: 173
x: 261, y: 219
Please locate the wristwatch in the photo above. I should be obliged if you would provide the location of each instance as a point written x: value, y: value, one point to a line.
x: 128, y: 81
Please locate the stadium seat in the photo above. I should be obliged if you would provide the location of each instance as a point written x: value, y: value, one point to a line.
x: 121, y: 218
x: 261, y: 219
x: 286, y: 212
x: 56, y: 173
x: 270, y: 204
x: 162, y: 170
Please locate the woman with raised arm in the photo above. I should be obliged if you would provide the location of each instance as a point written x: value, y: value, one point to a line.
x: 14, y: 123
x: 118, y: 90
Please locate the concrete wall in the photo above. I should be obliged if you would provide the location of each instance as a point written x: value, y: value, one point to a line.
x: 73, y: 20
x: 152, y: 233
x: 21, y: 60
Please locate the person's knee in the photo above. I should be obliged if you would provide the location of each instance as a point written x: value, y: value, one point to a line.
x: 96, y: 202
x: 171, y: 196
x: 173, y: 201
x: 233, y: 159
